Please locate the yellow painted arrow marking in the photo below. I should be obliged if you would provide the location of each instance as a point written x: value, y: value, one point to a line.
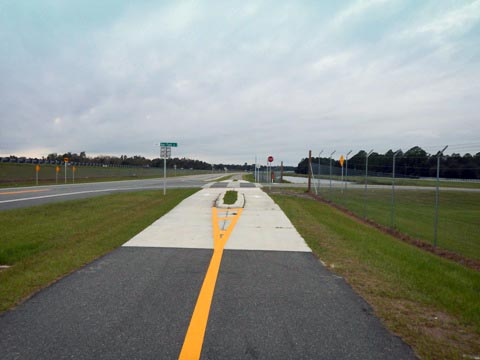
x: 192, y: 345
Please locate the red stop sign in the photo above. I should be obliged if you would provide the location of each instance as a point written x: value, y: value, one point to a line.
x: 270, y: 159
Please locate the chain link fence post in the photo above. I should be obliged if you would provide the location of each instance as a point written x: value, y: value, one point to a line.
x: 366, y: 181
x: 435, y: 232
x: 392, y: 209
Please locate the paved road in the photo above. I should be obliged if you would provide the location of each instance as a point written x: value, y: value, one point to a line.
x: 11, y: 198
x: 272, y: 298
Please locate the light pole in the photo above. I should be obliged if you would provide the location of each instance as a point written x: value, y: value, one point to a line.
x: 439, y: 155
x: 366, y: 181
x: 331, y: 171
x: 392, y: 210
x: 320, y: 153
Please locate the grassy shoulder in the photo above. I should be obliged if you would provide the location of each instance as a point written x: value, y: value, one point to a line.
x: 432, y: 303
x: 43, y: 243
x: 248, y: 177
x: 227, y: 177
x: 19, y: 175
x: 458, y: 229
x: 230, y: 197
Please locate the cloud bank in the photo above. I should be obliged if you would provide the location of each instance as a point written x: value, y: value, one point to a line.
x: 228, y: 80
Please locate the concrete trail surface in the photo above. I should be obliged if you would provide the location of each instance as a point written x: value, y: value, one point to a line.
x: 202, y: 282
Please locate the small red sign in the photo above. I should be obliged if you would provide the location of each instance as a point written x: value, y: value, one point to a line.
x: 270, y: 159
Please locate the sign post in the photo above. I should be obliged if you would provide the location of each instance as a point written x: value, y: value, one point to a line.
x: 269, y: 173
x: 341, y: 160
x: 166, y: 151
x: 37, y: 169
x: 57, y: 170
x: 65, y: 160
x: 73, y: 174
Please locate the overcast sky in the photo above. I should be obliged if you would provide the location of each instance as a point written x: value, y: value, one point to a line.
x: 231, y: 79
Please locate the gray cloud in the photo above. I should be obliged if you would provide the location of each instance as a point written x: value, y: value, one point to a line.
x: 228, y: 82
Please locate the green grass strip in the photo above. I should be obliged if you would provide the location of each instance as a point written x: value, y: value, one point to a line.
x: 458, y: 219
x: 230, y: 197
x: 433, y: 303
x: 223, y: 178
x: 43, y: 243
x: 248, y: 177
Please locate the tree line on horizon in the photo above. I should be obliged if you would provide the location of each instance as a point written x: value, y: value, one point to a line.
x: 137, y: 160
x: 415, y: 162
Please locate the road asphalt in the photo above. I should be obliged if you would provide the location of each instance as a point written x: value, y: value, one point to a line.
x: 12, y: 198
x: 272, y: 298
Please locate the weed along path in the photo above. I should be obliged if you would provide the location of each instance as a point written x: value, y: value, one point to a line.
x: 208, y: 280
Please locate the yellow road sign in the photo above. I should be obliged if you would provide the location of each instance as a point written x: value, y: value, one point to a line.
x: 65, y: 160
x: 74, y: 169
x: 342, y: 159
x: 37, y: 168
x: 57, y: 169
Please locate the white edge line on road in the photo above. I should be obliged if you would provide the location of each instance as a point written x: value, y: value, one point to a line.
x: 76, y: 193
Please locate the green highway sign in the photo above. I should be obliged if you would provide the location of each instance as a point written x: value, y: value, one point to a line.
x: 169, y: 144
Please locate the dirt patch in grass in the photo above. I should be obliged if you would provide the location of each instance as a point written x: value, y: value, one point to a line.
x: 423, y: 328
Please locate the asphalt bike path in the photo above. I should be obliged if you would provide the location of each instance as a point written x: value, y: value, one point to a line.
x: 205, y: 281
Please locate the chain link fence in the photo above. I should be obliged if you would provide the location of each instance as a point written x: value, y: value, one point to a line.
x: 444, y: 213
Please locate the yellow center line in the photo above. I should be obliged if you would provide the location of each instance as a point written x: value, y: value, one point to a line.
x: 22, y: 192
x: 192, y: 345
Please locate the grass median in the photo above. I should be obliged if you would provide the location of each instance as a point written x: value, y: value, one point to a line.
x: 230, y: 197
x: 432, y: 303
x: 43, y: 243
